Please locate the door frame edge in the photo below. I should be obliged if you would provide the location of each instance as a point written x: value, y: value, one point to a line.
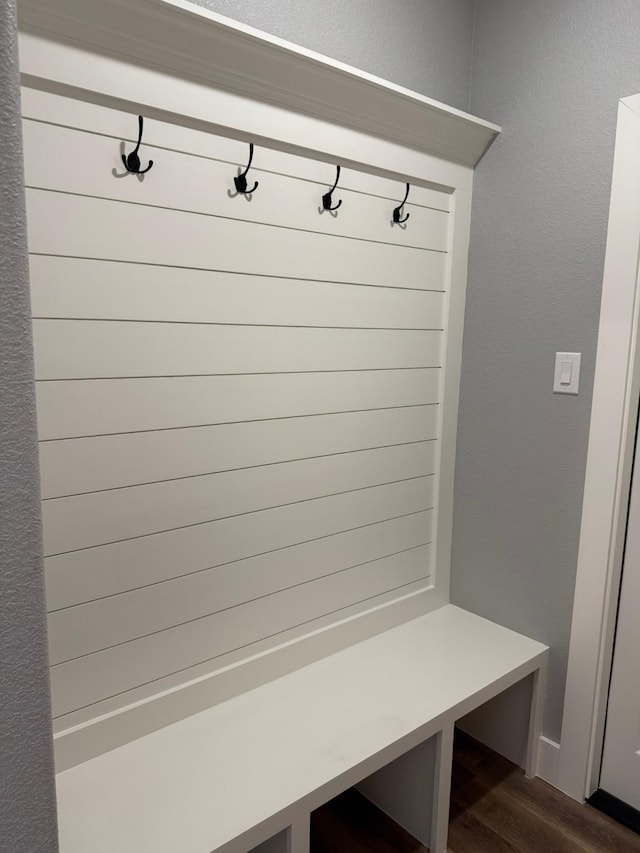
x: 608, y: 473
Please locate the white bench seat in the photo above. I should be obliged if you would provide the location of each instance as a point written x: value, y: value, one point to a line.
x: 231, y: 777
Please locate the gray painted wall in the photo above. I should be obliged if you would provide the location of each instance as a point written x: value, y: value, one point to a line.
x: 27, y: 798
x: 551, y: 73
x: 424, y: 45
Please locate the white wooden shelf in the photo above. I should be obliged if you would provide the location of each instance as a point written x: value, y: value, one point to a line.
x: 231, y: 56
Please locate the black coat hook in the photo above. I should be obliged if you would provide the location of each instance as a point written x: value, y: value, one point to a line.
x: 132, y: 161
x: 326, y: 198
x: 241, y: 180
x: 397, y: 211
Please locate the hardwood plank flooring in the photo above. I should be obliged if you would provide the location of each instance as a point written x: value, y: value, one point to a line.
x: 494, y: 809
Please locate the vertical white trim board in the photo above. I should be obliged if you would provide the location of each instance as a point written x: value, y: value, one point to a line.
x: 607, y: 479
x: 230, y: 56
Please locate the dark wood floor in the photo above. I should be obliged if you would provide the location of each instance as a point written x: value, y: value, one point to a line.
x: 494, y: 809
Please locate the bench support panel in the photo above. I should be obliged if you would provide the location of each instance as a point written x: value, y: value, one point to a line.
x: 414, y: 789
x: 299, y: 835
x: 442, y: 792
x: 538, y: 688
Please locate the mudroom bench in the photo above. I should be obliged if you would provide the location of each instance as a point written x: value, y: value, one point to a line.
x: 246, y: 774
x: 248, y: 373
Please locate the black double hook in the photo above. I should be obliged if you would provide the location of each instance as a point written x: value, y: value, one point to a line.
x: 326, y: 198
x: 397, y: 211
x: 132, y: 161
x: 241, y: 180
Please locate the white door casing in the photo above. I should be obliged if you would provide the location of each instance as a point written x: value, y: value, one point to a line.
x: 608, y: 474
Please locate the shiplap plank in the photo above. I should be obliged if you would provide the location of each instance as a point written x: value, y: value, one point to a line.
x: 95, y: 519
x: 200, y: 185
x: 92, y: 573
x: 81, y: 288
x: 112, y: 230
x: 88, y: 349
x: 105, y: 406
x: 73, y: 466
x: 119, y: 126
x: 93, y: 677
x: 89, y: 628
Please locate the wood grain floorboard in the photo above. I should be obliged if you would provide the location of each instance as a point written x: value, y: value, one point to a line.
x: 494, y: 809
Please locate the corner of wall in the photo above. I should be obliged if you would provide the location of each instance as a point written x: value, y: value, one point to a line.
x: 27, y: 790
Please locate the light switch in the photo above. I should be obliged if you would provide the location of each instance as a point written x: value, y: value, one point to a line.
x: 567, y: 374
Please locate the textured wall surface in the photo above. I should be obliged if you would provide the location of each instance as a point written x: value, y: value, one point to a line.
x: 27, y: 799
x: 551, y: 73
x: 424, y: 45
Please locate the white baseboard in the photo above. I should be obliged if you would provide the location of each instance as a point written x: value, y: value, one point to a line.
x: 548, y: 760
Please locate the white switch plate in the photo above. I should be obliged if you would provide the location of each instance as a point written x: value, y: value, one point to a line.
x: 566, y: 379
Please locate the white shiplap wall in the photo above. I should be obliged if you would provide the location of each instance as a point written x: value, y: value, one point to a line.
x: 238, y: 399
